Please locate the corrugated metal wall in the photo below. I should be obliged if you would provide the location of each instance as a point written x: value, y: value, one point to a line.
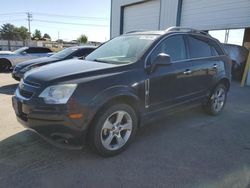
x: 215, y: 14
x: 142, y: 16
x: 200, y: 14
x: 167, y: 12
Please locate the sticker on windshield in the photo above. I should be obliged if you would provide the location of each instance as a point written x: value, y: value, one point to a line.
x: 149, y: 37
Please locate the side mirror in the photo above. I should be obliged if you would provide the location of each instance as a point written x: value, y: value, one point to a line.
x: 161, y: 59
x: 24, y: 53
x: 82, y: 57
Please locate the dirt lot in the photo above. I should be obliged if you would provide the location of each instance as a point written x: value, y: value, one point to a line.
x: 187, y: 149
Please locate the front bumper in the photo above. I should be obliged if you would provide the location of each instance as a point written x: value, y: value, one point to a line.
x: 51, y: 122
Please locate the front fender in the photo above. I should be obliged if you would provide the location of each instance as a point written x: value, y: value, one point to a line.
x: 110, y: 94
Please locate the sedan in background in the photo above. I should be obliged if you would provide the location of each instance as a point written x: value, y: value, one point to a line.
x: 10, y: 59
x: 78, y: 52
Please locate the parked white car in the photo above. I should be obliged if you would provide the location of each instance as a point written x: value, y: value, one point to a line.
x: 10, y: 59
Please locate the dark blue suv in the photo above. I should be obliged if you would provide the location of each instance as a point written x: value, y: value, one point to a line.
x: 105, y: 98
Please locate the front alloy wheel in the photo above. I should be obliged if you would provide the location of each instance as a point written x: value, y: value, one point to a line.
x: 116, y: 130
x: 113, y: 129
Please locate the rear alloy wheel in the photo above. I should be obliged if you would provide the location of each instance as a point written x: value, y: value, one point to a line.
x: 114, y: 130
x: 217, y: 100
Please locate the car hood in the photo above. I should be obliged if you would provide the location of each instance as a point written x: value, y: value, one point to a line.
x: 39, y: 61
x: 66, y: 71
x: 6, y: 52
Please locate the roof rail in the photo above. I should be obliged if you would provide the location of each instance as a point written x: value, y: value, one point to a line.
x: 191, y: 30
x: 134, y: 31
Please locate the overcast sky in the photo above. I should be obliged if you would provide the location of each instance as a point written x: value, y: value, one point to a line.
x: 79, y: 17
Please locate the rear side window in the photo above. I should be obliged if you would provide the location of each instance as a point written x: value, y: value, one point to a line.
x: 214, y: 51
x: 203, y: 47
x: 43, y: 50
x: 215, y: 48
x: 198, y: 47
x: 173, y: 46
x: 38, y: 50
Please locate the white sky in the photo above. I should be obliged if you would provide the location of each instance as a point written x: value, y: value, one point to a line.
x: 235, y: 36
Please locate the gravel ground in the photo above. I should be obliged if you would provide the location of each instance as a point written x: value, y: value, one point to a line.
x: 186, y: 149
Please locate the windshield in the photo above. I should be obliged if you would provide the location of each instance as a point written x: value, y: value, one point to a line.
x: 20, y: 50
x: 64, y: 53
x: 123, y: 49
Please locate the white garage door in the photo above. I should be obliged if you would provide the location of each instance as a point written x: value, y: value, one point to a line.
x: 215, y: 14
x: 143, y: 16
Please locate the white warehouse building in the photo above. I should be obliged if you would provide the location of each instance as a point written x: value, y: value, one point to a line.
x: 129, y: 15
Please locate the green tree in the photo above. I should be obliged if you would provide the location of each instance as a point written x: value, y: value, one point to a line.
x: 23, y: 34
x: 8, y: 32
x: 46, y: 36
x: 37, y: 35
x: 83, y: 39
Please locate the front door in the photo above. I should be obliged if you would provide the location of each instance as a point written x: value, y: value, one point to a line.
x: 170, y: 84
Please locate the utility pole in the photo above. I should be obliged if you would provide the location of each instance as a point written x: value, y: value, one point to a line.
x: 58, y: 35
x: 226, y: 36
x: 29, y: 18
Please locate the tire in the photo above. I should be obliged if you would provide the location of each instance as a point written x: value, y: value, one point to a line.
x: 5, y: 66
x: 217, y: 100
x: 113, y: 130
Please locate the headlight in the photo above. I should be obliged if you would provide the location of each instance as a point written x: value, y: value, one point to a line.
x: 58, y: 94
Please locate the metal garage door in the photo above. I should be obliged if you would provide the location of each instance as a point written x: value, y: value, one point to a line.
x: 142, y: 16
x: 215, y: 14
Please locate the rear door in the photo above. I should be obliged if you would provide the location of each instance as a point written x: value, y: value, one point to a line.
x: 170, y: 84
x: 204, y: 57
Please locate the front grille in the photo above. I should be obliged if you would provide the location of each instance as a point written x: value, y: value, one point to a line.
x: 26, y: 94
x: 32, y: 83
x: 27, y: 88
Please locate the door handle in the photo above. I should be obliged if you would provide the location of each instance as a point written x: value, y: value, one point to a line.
x: 215, y: 66
x: 187, y: 72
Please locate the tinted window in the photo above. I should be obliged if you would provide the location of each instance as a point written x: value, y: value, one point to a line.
x: 38, y: 50
x: 83, y: 52
x: 214, y: 51
x: 199, y: 47
x: 173, y: 46
x: 215, y: 48
x: 43, y: 50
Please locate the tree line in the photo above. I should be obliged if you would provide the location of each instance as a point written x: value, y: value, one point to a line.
x: 10, y: 32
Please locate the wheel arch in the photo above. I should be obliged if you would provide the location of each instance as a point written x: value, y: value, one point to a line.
x: 224, y: 81
x: 111, y: 96
x: 6, y: 60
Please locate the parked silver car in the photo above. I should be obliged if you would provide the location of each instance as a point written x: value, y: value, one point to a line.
x: 10, y: 59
